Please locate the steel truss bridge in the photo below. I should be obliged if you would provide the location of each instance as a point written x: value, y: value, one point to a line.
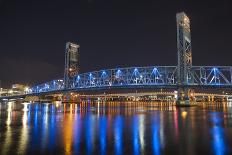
x: 142, y: 77
x: 182, y: 77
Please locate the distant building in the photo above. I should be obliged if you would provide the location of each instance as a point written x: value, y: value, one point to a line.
x: 16, y: 89
x: 3, y: 92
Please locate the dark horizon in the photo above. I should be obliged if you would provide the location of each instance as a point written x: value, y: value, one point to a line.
x: 110, y: 34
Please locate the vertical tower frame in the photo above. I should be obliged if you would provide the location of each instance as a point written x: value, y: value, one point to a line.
x: 184, y: 55
x: 72, y: 63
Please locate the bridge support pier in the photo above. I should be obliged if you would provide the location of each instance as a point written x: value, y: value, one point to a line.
x: 211, y: 98
x: 183, y: 98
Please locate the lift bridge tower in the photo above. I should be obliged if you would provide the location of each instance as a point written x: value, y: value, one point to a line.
x: 72, y: 63
x: 184, y: 54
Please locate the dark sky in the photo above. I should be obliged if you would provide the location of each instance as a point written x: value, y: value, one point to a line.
x: 111, y: 33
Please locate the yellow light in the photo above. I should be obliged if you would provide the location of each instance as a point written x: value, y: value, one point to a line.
x: 184, y: 114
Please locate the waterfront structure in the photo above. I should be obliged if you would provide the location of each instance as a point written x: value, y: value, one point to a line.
x: 71, y: 63
x: 16, y: 89
x: 182, y: 77
x: 184, y: 56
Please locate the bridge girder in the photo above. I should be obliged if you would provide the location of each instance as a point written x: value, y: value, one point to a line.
x: 153, y: 76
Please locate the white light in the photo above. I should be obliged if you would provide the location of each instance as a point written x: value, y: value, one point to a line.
x: 26, y: 89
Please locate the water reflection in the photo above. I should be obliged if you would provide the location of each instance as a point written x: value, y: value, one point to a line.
x: 90, y: 125
x: 44, y: 126
x: 77, y: 133
x: 102, y: 134
x: 135, y: 131
x: 155, y: 136
x: 217, y: 132
x: 8, y: 133
x: 68, y: 129
x: 118, y: 135
x: 23, y: 140
x: 68, y: 133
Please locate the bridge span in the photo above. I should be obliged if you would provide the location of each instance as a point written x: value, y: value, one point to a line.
x: 184, y: 78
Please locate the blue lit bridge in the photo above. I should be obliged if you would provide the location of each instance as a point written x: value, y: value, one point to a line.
x: 184, y: 77
x: 142, y: 77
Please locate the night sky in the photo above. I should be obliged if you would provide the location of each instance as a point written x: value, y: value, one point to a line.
x: 111, y: 34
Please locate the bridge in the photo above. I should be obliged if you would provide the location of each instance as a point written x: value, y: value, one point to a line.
x: 184, y: 77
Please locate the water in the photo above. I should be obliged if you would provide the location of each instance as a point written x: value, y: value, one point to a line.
x: 61, y: 129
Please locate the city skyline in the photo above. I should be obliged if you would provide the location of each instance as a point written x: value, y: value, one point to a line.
x: 115, y: 31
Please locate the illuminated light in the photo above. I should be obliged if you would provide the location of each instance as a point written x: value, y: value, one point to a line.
x: 9, y: 108
x: 78, y: 77
x: 155, y: 69
x: 25, y: 108
x: 26, y: 89
x: 46, y: 110
x: 11, y: 91
x: 184, y: 114
x: 175, y: 96
x: 118, y: 71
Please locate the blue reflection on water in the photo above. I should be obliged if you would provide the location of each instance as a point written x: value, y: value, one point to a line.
x: 35, y: 129
x: 44, y: 136
x: 77, y: 133
x: 118, y: 127
x: 155, y: 136
x: 89, y: 133
x: 102, y: 135
x: 135, y: 132
x: 218, y: 142
x: 52, y: 131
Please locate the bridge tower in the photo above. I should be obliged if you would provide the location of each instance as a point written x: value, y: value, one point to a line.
x: 184, y: 54
x: 72, y: 63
